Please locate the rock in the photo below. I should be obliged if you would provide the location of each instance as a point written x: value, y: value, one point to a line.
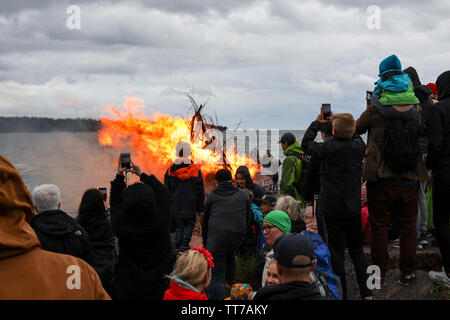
x: 422, y: 288
x: 419, y: 289
x: 427, y: 259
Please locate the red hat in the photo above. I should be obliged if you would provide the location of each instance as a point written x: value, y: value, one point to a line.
x: 433, y: 87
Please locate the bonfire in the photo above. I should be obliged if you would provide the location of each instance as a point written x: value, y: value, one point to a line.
x: 151, y: 141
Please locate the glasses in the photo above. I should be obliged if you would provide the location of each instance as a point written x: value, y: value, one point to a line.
x: 267, y: 228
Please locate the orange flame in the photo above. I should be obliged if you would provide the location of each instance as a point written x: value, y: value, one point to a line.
x: 152, y: 141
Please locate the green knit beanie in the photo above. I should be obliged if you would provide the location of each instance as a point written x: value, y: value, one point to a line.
x: 280, y: 220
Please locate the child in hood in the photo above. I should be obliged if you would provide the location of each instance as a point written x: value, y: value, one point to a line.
x: 394, y: 87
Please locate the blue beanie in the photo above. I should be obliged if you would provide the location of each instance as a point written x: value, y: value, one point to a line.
x: 391, y: 63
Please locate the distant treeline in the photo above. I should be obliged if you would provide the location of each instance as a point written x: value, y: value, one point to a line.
x: 34, y: 124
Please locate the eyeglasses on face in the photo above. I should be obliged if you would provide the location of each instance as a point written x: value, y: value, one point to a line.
x: 267, y: 228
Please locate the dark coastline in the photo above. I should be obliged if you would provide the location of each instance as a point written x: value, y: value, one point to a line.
x: 35, y: 124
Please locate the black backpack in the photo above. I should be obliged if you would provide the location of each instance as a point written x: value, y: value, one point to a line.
x: 400, y: 147
x: 300, y: 185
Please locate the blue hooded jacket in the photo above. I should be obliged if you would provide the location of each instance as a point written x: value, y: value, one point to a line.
x: 397, y: 83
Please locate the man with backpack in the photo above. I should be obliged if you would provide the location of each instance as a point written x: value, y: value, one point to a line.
x: 291, y: 171
x: 393, y: 166
x: 340, y: 160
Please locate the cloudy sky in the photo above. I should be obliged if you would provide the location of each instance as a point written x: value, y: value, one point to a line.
x: 268, y: 64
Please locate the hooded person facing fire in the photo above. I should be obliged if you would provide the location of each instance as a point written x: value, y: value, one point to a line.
x: 140, y: 216
x: 185, y: 183
x: 225, y: 222
x: 244, y: 180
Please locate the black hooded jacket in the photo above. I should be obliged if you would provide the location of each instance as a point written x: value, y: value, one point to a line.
x: 258, y: 191
x: 340, y: 173
x: 439, y: 131
x: 312, y: 185
x: 187, y: 191
x: 422, y: 93
x: 140, y: 215
x: 294, y: 290
x: 60, y: 233
x: 227, y: 211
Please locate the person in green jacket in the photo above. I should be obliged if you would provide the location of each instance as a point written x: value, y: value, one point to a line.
x: 292, y: 166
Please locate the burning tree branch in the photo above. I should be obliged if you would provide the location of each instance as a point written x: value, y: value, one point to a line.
x: 199, y: 117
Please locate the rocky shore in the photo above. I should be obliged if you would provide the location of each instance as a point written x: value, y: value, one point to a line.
x: 422, y: 288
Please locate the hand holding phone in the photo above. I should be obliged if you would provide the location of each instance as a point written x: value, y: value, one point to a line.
x: 326, y: 111
x: 125, y: 160
x: 136, y: 169
x: 120, y: 166
x: 369, y: 97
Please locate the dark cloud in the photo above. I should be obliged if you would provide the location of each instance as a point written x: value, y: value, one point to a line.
x: 253, y: 59
x: 407, y: 4
x: 11, y: 7
x: 194, y: 7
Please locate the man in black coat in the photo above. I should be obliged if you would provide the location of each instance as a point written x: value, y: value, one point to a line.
x: 439, y: 162
x: 140, y: 215
x: 423, y: 93
x: 185, y: 182
x: 225, y: 222
x: 312, y: 185
x: 340, y: 173
x: 56, y: 230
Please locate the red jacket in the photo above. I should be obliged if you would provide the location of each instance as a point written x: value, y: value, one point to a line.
x: 177, y: 292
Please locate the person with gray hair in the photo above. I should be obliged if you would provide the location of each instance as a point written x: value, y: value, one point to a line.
x: 293, y: 209
x: 46, y: 197
x: 56, y: 230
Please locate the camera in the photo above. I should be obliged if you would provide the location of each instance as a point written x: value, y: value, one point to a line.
x: 326, y: 109
x: 369, y: 97
x: 125, y: 160
x: 104, y: 193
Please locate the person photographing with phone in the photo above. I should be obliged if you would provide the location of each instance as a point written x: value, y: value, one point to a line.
x: 314, y: 220
x: 340, y: 163
x: 140, y: 215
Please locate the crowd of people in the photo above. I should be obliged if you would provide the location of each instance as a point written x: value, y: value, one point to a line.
x: 334, y: 195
